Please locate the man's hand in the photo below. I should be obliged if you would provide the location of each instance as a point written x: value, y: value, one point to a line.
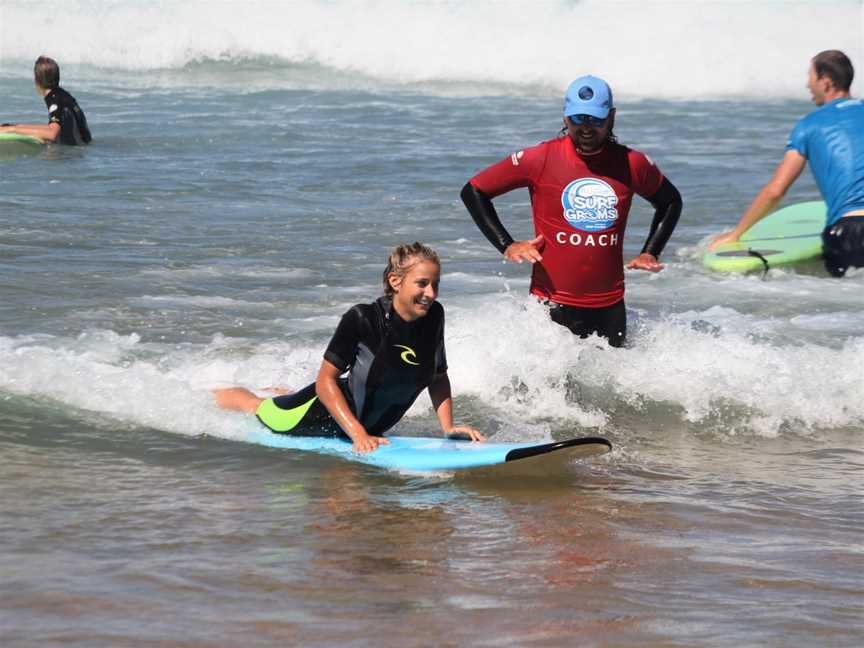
x: 725, y: 237
x: 647, y: 262
x: 520, y: 251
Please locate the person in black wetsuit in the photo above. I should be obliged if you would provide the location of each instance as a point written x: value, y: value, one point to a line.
x: 66, y: 121
x: 391, y: 349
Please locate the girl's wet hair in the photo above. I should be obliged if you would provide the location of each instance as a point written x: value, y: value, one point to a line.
x: 403, y: 258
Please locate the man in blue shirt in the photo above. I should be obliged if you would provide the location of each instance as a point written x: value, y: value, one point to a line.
x: 831, y: 139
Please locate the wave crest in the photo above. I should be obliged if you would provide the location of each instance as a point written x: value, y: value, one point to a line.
x: 645, y: 49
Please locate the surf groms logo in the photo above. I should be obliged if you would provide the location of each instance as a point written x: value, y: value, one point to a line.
x: 590, y: 204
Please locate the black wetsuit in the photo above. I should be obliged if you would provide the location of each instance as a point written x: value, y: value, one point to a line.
x: 64, y: 110
x: 389, y: 362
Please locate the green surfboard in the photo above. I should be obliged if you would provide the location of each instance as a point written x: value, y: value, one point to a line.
x: 13, y: 145
x: 15, y: 138
x: 785, y: 237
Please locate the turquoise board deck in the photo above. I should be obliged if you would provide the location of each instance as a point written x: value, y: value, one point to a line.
x: 789, y: 235
x: 427, y: 454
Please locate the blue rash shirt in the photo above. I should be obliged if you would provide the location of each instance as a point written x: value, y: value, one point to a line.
x: 832, y: 140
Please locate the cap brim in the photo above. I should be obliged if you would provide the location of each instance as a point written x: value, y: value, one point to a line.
x: 594, y: 111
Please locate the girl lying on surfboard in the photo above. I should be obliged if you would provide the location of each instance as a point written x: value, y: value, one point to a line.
x: 391, y: 349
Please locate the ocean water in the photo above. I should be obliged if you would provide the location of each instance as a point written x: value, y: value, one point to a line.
x: 252, y: 165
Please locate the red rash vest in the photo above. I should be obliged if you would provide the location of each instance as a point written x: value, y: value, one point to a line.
x: 580, y: 206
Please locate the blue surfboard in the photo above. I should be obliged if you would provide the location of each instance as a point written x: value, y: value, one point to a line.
x: 428, y: 454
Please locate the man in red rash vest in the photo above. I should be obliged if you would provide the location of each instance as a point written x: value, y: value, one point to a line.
x: 581, y: 185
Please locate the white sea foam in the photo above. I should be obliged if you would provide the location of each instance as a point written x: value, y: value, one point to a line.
x: 717, y: 366
x: 738, y: 369
x: 660, y: 48
x: 164, y: 387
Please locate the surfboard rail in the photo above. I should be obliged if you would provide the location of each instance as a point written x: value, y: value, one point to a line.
x: 16, y: 138
x: 435, y: 454
x: 593, y: 446
x: 787, y: 236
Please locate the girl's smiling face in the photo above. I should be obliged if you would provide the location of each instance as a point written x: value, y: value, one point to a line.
x: 416, y: 290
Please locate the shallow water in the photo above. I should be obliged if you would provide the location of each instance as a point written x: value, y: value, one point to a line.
x: 229, y: 212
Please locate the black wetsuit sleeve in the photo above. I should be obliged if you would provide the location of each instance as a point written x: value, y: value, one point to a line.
x: 440, y: 352
x: 342, y: 349
x: 483, y: 212
x: 667, y: 209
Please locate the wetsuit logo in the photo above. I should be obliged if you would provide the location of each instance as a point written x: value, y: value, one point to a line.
x: 589, y: 204
x: 407, y: 355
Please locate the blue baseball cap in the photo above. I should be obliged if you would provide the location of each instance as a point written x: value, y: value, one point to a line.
x: 588, y: 95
